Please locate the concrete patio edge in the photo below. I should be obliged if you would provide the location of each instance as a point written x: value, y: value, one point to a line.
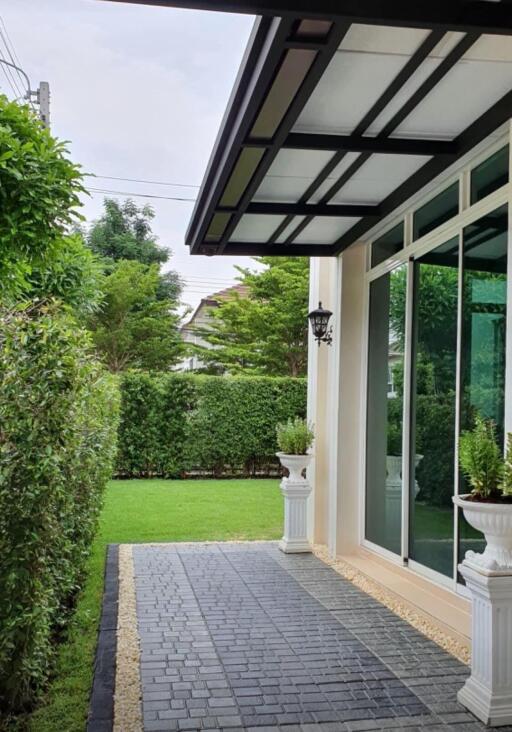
x: 101, y: 703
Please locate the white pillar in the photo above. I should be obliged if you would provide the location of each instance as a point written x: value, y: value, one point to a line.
x: 296, y: 495
x: 320, y: 402
x: 488, y: 691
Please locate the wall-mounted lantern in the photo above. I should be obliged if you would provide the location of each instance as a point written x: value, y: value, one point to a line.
x: 319, y: 320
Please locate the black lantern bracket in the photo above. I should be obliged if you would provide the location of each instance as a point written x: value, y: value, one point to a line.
x: 319, y: 320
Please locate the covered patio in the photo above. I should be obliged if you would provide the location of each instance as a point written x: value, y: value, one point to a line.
x: 374, y: 138
x: 241, y: 636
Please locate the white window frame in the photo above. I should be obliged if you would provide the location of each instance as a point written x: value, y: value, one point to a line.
x: 412, y: 250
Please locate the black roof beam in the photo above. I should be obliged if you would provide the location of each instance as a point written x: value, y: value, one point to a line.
x: 453, y: 15
x: 379, y: 105
x: 257, y: 249
x: 311, y: 209
x: 320, y: 63
x: 481, y: 128
x: 358, y: 143
x: 414, y: 101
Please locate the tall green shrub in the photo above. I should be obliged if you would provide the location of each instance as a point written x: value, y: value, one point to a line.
x: 58, y: 422
x: 175, y: 424
x: 39, y: 195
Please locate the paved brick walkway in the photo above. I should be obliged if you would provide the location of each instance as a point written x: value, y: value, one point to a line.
x: 241, y: 636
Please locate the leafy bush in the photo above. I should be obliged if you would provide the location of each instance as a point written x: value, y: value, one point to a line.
x: 294, y: 437
x: 153, y: 429
x: 39, y: 189
x: 176, y: 424
x: 58, y: 420
x: 480, y: 458
x: 506, y: 482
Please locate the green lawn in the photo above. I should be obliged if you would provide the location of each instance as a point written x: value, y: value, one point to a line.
x: 144, y: 511
x: 433, y: 522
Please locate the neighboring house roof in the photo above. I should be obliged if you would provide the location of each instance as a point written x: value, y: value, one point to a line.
x: 201, y: 314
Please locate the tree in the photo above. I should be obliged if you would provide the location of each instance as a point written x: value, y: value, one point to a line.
x: 74, y: 275
x: 39, y: 195
x: 266, y: 332
x: 124, y: 232
x: 134, y: 328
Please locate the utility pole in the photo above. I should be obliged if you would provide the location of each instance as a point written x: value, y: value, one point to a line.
x: 43, y: 99
x: 41, y: 94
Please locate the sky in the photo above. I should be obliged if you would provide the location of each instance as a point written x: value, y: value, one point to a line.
x: 139, y: 92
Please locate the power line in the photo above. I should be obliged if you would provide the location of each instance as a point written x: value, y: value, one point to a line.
x: 18, y: 92
x: 10, y: 45
x: 209, y: 283
x: 139, y: 180
x: 208, y: 279
x: 200, y: 285
x: 105, y: 191
x: 8, y: 76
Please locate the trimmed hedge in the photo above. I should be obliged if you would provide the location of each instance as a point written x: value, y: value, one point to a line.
x: 58, y: 423
x: 176, y: 424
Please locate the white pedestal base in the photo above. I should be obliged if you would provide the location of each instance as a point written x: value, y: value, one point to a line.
x: 294, y: 547
x: 295, y: 537
x: 488, y: 691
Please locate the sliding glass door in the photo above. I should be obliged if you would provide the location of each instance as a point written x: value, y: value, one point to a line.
x: 432, y: 414
x: 484, y: 317
x: 385, y: 407
x: 443, y: 314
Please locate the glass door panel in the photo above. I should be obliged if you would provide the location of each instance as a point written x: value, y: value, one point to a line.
x: 385, y: 410
x: 484, y: 302
x: 433, y: 384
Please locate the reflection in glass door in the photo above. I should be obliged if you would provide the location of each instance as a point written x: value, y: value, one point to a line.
x: 457, y: 340
x: 433, y: 383
x: 484, y: 302
x: 385, y: 409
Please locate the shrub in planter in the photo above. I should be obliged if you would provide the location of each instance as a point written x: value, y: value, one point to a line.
x: 481, y: 461
x: 58, y: 422
x: 488, y: 508
x: 294, y: 437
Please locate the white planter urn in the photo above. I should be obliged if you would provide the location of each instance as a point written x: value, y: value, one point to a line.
x: 394, y: 473
x: 494, y: 520
x: 488, y: 691
x: 296, y: 491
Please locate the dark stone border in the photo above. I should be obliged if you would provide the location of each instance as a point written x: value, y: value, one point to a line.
x: 101, y: 703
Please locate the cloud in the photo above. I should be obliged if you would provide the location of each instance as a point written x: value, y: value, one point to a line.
x: 139, y: 92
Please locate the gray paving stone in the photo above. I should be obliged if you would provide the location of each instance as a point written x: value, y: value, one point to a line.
x: 242, y: 637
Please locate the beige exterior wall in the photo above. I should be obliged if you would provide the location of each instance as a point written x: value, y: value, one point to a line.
x: 334, y: 401
x: 336, y: 382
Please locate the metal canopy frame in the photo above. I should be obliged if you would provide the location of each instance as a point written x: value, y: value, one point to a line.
x: 446, y: 15
x: 291, y: 45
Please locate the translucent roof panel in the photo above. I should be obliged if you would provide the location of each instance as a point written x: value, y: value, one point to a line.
x: 335, y: 175
x: 325, y: 230
x: 366, y: 63
x: 256, y: 227
x: 378, y: 177
x: 447, y: 43
x: 291, y: 173
x: 480, y: 79
x: 288, y: 229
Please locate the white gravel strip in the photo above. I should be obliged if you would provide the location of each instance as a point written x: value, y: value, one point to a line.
x: 127, y: 704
